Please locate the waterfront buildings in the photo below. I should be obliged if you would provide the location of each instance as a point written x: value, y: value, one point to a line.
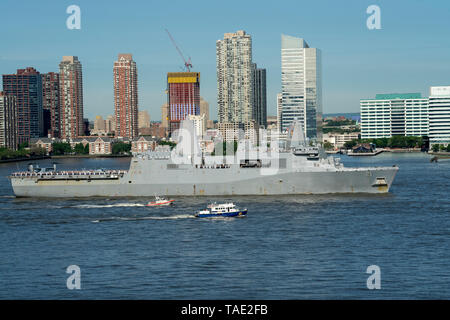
x: 142, y: 144
x: 50, y: 104
x: 71, y: 98
x: 125, y: 96
x: 259, y: 95
x: 401, y: 114
x: 26, y: 86
x: 439, y: 115
x: 43, y: 143
x: 8, y: 121
x: 339, y: 139
x: 234, y: 77
x: 183, y: 97
x: 301, y: 84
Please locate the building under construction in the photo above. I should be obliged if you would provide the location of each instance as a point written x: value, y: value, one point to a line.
x: 183, y: 97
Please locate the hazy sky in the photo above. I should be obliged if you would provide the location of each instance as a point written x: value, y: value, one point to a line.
x: 410, y: 53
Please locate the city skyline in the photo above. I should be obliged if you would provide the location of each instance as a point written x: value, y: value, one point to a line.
x: 356, y: 61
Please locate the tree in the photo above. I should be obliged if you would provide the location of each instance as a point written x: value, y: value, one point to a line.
x: 350, y: 144
x: 328, y: 145
x: 435, y: 148
x: 168, y: 143
x: 81, y: 149
x: 381, y: 142
x: 121, y: 148
x: 37, y: 151
x: 23, y: 145
x: 61, y: 148
x: 448, y: 148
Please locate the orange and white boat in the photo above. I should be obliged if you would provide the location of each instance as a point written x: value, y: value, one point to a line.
x: 159, y: 202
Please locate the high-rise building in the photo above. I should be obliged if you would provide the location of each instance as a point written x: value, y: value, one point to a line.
x: 439, y: 115
x: 86, y: 127
x: 234, y: 77
x: 110, y: 125
x: 199, y: 123
x: 259, y: 96
x: 99, y: 126
x: 234, y: 131
x: 396, y: 114
x: 126, y: 96
x: 204, y: 111
x: 301, y: 84
x: 279, y: 110
x: 204, y: 108
x: 71, y: 98
x: 165, y: 115
x: 183, y: 97
x: 26, y: 86
x: 50, y: 104
x: 8, y: 121
x: 143, y: 119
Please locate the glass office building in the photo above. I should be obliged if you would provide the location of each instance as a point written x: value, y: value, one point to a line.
x: 301, y: 86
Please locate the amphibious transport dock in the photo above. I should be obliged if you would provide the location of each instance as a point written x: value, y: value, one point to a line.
x: 186, y: 171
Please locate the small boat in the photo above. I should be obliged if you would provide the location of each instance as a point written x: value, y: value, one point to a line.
x: 221, y: 210
x: 160, y: 201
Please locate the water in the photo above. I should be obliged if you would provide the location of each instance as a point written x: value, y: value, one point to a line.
x: 292, y: 247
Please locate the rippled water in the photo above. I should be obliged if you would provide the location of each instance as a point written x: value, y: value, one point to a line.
x: 292, y: 247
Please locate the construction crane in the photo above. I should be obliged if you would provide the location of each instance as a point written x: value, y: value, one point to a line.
x: 187, y: 64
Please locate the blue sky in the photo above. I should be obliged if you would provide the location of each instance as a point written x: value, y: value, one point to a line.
x: 410, y: 53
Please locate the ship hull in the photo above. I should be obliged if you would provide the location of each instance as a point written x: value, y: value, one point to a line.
x: 225, y: 183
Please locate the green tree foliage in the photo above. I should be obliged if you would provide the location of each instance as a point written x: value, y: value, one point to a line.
x: 168, y: 143
x: 328, y: 145
x: 80, y: 149
x: 6, y: 154
x: 61, y: 148
x: 121, y: 148
x: 339, y: 123
x: 350, y: 144
x: 392, y: 142
x: 435, y: 148
x: 23, y: 145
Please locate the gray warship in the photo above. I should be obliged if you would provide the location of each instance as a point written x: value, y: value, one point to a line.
x: 295, y: 168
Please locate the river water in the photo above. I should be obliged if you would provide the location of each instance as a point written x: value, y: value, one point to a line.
x: 290, y: 247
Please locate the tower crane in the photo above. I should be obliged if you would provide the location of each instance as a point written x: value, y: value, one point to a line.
x: 187, y: 64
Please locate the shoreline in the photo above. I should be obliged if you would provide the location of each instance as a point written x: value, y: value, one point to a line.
x: 24, y: 159
x: 90, y: 156
x: 82, y: 156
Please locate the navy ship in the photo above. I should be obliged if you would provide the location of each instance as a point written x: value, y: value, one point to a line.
x: 296, y: 168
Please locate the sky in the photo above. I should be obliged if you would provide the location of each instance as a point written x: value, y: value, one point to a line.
x: 410, y: 53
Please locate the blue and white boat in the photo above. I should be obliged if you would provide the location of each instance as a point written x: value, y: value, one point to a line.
x: 221, y: 210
